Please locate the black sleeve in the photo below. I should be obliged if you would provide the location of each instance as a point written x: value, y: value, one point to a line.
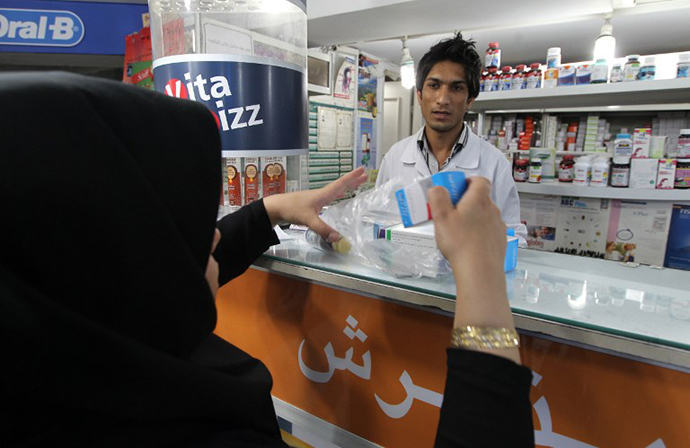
x: 245, y: 235
x: 486, y: 402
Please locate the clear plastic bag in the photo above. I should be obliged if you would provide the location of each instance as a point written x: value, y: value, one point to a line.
x: 360, y: 221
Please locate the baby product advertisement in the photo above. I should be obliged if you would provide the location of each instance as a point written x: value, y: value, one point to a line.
x: 582, y: 226
x: 638, y: 231
x: 539, y: 213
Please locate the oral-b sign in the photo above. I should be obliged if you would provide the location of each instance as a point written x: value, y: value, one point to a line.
x: 40, y: 28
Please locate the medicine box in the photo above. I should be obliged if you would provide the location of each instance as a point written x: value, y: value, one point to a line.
x: 643, y: 173
x: 666, y: 175
x: 413, y: 200
x: 641, y: 142
x: 423, y: 236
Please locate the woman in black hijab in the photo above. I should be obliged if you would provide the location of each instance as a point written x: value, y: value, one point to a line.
x: 109, y: 198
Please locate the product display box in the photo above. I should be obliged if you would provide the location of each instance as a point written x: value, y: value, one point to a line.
x: 251, y: 180
x: 273, y: 175
x: 638, y: 231
x: 423, y: 236
x: 582, y: 226
x: 678, y: 246
x: 413, y: 200
x: 233, y: 182
x: 539, y: 213
x: 641, y: 142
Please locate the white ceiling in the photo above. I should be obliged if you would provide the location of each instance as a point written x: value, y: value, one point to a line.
x: 525, y: 29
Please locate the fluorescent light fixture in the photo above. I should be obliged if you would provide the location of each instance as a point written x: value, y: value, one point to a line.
x: 605, y: 45
x: 619, y: 4
x: 407, y: 74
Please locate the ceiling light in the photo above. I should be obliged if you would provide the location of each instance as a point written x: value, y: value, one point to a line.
x: 619, y: 4
x: 407, y: 67
x: 605, y: 46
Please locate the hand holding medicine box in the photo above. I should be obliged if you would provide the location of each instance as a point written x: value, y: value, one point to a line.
x: 413, y: 200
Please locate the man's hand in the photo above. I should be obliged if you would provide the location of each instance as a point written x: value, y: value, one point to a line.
x: 472, y: 232
x: 303, y: 207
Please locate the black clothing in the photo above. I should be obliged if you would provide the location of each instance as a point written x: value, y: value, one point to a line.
x: 109, y: 196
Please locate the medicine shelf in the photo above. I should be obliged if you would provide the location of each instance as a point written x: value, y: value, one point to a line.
x: 604, y: 192
x: 604, y: 97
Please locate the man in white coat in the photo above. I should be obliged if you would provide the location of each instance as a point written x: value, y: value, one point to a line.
x: 447, y: 84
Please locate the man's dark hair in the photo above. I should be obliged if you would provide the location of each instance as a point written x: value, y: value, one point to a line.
x: 456, y: 50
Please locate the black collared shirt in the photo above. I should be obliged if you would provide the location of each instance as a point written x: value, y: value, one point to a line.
x: 431, y: 161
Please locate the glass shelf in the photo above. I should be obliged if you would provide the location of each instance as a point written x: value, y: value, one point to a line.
x: 643, y: 304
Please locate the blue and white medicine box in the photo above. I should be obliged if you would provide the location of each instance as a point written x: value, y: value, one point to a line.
x: 413, y: 200
x: 423, y: 236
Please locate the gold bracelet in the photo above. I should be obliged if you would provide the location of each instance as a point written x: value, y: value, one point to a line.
x: 484, y: 337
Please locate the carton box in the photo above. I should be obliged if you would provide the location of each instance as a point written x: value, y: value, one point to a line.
x: 643, y: 173
x: 273, y: 175
x: 641, y: 142
x: 638, y: 231
x: 251, y: 180
x: 423, y: 236
x: 667, y: 174
x: 233, y: 182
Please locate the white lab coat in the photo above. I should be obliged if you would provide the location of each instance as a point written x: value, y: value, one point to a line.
x: 477, y: 158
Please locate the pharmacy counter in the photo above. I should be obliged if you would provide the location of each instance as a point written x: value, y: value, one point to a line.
x: 358, y: 356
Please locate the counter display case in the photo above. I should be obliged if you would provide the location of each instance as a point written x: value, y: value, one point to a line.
x: 358, y: 356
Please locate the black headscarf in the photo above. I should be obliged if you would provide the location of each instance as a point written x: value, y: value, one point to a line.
x: 108, y: 202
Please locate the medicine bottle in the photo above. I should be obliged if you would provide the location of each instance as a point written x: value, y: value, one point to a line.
x: 683, y: 66
x: 520, y: 173
x: 620, y: 172
x: 566, y: 168
x: 600, y: 172
x: 506, y: 78
x: 616, y: 73
x: 493, y: 56
x: 518, y: 78
x: 535, y: 170
x: 632, y: 68
x: 582, y: 171
x: 533, y: 78
x: 600, y: 72
x: 682, y: 174
x: 648, y: 70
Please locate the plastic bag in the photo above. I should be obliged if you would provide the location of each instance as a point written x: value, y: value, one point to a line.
x: 361, y: 219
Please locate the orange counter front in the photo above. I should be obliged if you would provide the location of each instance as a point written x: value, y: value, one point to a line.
x: 375, y: 367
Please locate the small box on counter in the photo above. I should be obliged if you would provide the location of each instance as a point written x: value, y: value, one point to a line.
x: 423, y: 236
x: 678, y: 246
x: 666, y: 175
x: 413, y: 200
x: 643, y: 173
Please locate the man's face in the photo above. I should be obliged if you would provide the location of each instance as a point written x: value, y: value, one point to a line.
x: 444, y: 98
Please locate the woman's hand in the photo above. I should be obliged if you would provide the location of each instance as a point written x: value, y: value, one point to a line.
x: 303, y: 207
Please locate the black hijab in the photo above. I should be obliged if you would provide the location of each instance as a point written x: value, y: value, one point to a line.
x: 108, y: 202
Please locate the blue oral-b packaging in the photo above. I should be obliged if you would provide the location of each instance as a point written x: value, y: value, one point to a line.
x: 413, y: 200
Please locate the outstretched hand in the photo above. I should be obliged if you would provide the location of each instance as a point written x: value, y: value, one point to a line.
x: 303, y: 207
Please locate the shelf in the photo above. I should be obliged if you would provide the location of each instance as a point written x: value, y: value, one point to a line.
x: 606, y: 96
x: 604, y: 192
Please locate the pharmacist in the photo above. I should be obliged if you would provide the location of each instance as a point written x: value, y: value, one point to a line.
x: 447, y: 84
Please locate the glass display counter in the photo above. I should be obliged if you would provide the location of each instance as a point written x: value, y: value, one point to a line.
x: 638, y: 311
x: 358, y: 356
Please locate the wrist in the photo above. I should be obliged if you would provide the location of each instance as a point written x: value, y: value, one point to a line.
x: 272, y: 206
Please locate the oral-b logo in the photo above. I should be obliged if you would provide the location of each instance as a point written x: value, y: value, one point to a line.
x: 40, y: 28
